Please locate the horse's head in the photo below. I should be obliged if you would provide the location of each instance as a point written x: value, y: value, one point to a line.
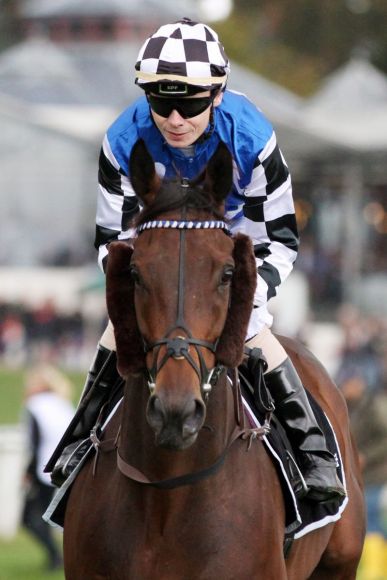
x: 181, y: 300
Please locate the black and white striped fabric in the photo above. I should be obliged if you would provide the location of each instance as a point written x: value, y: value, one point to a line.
x: 117, y: 203
x: 269, y: 220
x: 184, y: 52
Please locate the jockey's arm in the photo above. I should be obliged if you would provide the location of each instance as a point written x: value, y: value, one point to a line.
x: 269, y: 219
x: 117, y: 204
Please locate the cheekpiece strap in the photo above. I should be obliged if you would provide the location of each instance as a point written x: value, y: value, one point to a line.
x: 184, y: 225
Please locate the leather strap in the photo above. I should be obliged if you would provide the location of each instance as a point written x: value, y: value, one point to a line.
x: 134, y: 474
x: 188, y: 478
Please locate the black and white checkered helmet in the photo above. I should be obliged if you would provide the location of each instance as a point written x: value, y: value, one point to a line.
x: 185, y: 53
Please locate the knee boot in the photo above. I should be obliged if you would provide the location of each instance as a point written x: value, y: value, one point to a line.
x: 101, y: 379
x: 293, y: 409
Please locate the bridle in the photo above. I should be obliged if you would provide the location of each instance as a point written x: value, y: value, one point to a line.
x: 178, y: 346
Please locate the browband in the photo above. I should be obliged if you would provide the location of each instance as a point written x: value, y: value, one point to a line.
x: 185, y: 225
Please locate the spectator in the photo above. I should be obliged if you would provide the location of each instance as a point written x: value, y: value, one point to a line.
x: 367, y: 405
x: 47, y: 411
x: 360, y: 355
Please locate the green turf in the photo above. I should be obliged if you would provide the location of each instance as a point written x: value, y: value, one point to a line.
x: 23, y: 559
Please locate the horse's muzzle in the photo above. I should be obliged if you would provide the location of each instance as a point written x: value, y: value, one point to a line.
x: 175, y: 427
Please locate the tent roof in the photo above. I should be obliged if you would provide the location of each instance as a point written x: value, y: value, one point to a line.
x: 351, y: 107
x: 148, y: 9
x: 41, y: 72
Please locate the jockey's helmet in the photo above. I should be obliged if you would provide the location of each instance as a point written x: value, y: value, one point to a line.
x: 182, y: 59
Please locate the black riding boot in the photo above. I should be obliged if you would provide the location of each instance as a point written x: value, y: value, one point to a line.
x: 296, y: 415
x: 101, y: 379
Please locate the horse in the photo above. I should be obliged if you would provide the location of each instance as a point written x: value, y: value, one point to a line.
x: 180, y: 488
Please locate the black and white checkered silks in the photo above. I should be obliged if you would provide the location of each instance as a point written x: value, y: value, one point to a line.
x: 184, y: 52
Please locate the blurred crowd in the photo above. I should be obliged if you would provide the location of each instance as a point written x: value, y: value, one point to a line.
x: 362, y: 378
x: 43, y: 333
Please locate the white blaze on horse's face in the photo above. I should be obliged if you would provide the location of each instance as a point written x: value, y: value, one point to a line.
x: 181, y: 292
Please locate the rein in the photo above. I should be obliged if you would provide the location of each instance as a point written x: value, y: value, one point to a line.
x: 239, y: 432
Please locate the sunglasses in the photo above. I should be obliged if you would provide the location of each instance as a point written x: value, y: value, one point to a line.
x: 186, y: 107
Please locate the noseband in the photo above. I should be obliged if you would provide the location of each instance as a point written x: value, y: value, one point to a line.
x: 178, y: 346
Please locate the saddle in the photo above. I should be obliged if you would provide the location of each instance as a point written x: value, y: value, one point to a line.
x: 302, y: 515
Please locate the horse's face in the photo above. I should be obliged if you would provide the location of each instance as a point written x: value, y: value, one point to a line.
x: 182, y: 295
x: 182, y: 289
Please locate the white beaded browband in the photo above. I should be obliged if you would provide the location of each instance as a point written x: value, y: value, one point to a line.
x: 184, y: 225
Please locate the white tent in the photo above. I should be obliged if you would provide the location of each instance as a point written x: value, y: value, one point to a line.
x: 350, y: 108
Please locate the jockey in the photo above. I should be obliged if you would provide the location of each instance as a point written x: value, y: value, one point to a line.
x: 184, y: 113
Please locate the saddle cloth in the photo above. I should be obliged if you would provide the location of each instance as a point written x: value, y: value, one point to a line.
x: 302, y: 515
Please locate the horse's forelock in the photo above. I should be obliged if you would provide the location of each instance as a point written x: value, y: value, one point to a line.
x: 172, y: 196
x: 230, y: 347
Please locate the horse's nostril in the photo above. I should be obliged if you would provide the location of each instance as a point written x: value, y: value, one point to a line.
x: 155, y: 413
x: 176, y: 425
x: 194, y: 417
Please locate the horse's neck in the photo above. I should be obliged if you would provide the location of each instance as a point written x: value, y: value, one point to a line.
x: 137, y: 444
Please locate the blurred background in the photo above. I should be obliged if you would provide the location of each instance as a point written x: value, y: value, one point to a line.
x: 318, y: 70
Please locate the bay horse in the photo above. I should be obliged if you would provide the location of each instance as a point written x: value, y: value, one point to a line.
x: 175, y: 492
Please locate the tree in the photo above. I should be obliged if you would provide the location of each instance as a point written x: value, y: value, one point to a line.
x: 9, y: 23
x: 296, y: 42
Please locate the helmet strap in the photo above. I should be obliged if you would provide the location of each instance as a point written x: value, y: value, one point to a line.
x: 211, y: 126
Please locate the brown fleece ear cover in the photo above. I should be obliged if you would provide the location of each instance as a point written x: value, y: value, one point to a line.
x: 229, y: 351
x: 120, y: 306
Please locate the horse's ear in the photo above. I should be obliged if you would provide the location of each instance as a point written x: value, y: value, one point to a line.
x: 229, y: 351
x: 120, y: 307
x: 218, y: 175
x: 143, y: 176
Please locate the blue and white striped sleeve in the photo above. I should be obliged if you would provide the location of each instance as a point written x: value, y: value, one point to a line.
x: 270, y: 221
x: 117, y: 203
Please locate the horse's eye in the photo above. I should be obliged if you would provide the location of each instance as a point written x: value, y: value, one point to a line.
x: 227, y: 275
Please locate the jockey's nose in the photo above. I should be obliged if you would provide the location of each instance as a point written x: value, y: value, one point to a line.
x: 175, y: 427
x: 175, y: 118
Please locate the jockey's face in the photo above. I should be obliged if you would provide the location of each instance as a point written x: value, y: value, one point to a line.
x: 182, y: 132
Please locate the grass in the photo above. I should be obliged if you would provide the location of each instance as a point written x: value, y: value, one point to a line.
x: 22, y: 559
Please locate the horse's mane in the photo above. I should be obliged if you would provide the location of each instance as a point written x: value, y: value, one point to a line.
x: 172, y: 195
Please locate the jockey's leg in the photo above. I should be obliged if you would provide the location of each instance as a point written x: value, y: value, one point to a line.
x: 101, y: 379
x: 293, y: 409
